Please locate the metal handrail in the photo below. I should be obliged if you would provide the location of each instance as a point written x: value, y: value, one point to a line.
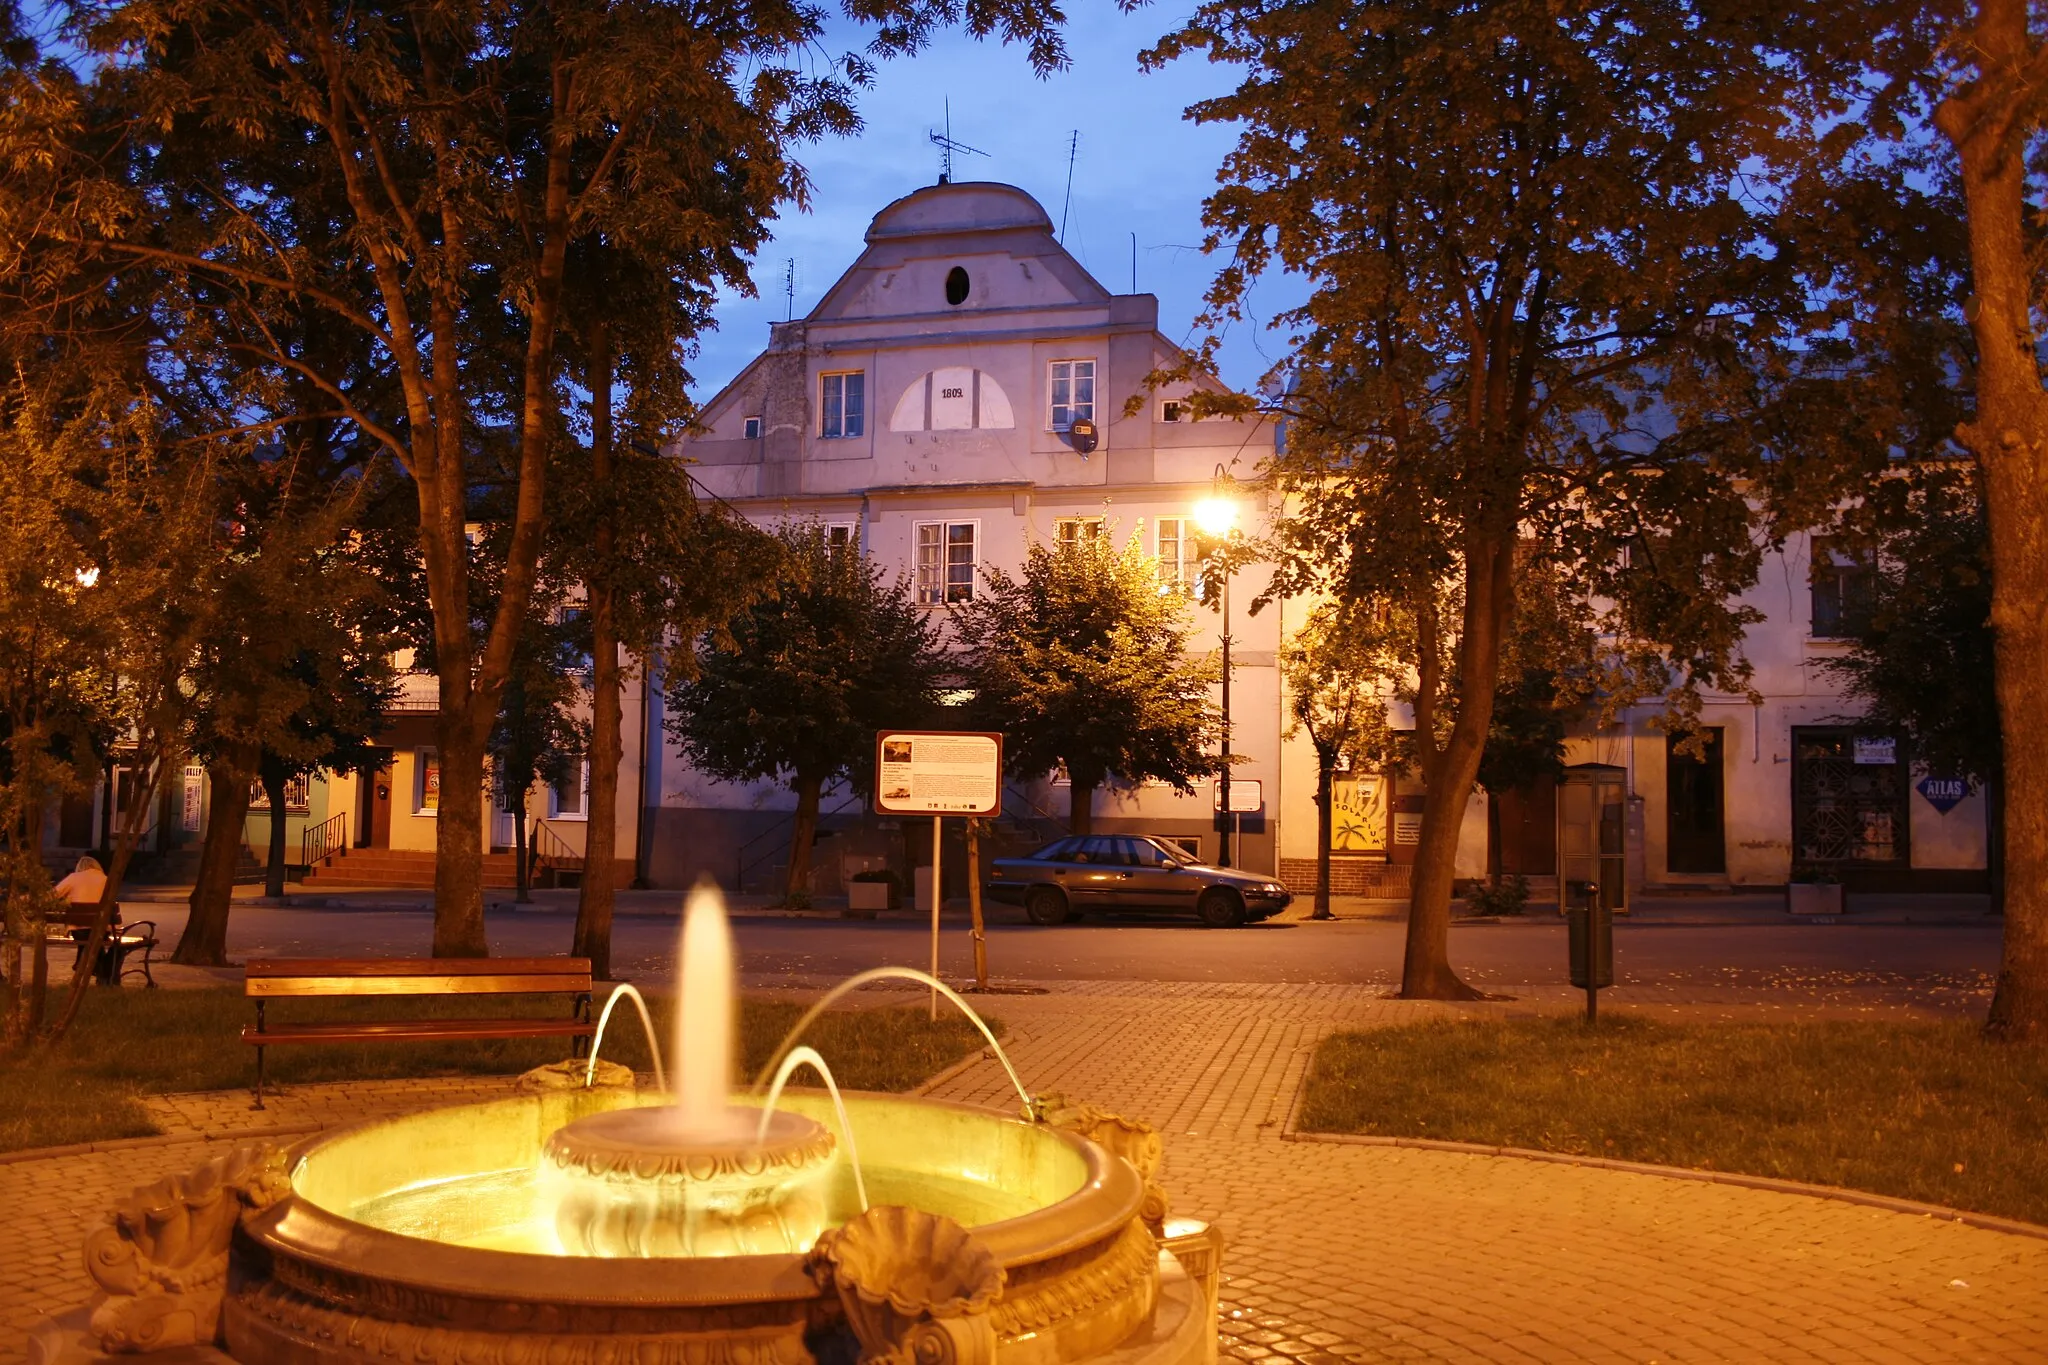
x: 549, y: 849
x: 741, y: 866
x: 322, y: 841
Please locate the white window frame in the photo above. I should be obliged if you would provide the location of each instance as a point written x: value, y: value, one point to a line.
x: 1174, y: 575
x: 750, y: 427
x: 555, y: 811
x: 1062, y: 416
x: 1068, y: 530
x: 421, y: 757
x: 1175, y: 410
x: 837, y: 427
x: 935, y: 588
x: 842, y: 533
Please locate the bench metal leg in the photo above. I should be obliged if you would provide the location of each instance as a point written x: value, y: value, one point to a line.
x: 259, y: 1057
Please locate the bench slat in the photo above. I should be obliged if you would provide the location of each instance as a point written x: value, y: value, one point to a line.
x: 263, y: 968
x: 418, y: 1030
x: 311, y: 986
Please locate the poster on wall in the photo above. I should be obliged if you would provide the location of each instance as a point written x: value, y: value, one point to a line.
x: 1358, y: 815
x: 190, y: 814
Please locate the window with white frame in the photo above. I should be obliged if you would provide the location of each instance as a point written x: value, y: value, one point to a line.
x: 426, y: 782
x: 566, y: 797
x: 1073, y: 392
x: 1076, y: 530
x: 839, y: 533
x: 945, y: 561
x: 1175, y: 410
x: 1176, y: 569
x: 842, y: 403
x: 750, y: 428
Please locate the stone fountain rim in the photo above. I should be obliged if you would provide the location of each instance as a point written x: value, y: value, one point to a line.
x: 1110, y: 1196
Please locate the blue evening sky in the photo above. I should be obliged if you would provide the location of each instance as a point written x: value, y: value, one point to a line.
x: 1141, y: 168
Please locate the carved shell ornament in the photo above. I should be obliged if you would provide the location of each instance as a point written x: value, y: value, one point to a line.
x: 916, y: 1287
x: 1134, y: 1140
x: 162, y: 1258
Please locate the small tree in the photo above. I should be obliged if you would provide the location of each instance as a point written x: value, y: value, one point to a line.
x: 806, y: 677
x: 1082, y: 663
x: 1340, y: 675
x: 1924, y: 661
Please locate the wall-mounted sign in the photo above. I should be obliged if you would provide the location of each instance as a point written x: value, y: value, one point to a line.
x: 938, y: 772
x: 1875, y: 749
x: 1943, y: 793
x: 193, y: 813
x: 1246, y: 795
x: 1407, y: 827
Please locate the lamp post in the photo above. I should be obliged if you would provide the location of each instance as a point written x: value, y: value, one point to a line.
x: 1217, y: 516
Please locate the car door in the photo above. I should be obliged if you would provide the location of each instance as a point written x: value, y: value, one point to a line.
x: 1095, y: 874
x: 1152, y: 881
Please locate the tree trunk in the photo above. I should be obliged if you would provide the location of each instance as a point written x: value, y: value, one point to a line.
x: 1080, y: 807
x: 204, y: 943
x: 1326, y: 767
x: 273, y: 863
x: 1489, y: 603
x: 458, y: 844
x: 974, y: 827
x: 595, y: 897
x: 803, y: 832
x: 1989, y: 121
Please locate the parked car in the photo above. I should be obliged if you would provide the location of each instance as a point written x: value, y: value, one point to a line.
x: 1130, y: 872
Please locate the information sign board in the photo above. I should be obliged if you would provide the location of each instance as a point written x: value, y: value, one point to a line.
x: 1874, y: 750
x: 1247, y: 796
x: 938, y: 772
x: 1944, y: 793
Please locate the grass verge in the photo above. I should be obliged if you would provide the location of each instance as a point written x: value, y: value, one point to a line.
x: 1930, y: 1112
x: 130, y: 1043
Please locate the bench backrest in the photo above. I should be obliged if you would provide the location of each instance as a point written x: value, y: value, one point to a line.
x: 275, y: 978
x: 79, y: 916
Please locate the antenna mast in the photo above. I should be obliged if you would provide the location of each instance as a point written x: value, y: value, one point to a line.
x: 1073, y: 150
x: 947, y: 146
x: 789, y: 289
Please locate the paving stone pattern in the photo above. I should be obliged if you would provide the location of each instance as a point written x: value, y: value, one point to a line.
x: 1336, y: 1253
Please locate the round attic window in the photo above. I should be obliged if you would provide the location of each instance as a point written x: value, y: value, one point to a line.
x: 956, y: 286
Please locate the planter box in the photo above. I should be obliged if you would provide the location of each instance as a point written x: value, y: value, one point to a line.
x: 1810, y: 898
x: 864, y: 898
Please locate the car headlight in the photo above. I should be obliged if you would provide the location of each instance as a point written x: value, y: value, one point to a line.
x: 1272, y: 889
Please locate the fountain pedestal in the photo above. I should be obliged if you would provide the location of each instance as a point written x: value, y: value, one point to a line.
x: 628, y: 1183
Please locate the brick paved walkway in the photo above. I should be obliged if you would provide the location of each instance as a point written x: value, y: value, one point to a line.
x: 1337, y: 1253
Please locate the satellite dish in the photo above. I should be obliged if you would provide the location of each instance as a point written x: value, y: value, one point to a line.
x: 1082, y: 435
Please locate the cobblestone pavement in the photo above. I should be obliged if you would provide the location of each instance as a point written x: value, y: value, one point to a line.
x: 1336, y: 1253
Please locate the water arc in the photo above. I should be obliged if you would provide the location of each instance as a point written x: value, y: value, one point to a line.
x: 627, y: 990
x: 808, y: 1056
x: 854, y: 983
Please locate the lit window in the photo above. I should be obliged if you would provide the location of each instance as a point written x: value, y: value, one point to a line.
x: 843, y: 401
x: 426, y: 782
x: 1073, y: 392
x: 752, y: 428
x: 1076, y: 530
x: 1174, y: 567
x: 945, y: 562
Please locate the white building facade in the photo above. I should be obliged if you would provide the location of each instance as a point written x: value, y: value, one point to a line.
x: 925, y: 410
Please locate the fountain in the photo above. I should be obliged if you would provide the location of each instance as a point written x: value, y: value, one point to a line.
x: 679, y: 1227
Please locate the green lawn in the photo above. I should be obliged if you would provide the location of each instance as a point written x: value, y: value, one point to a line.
x: 130, y: 1043
x: 1919, y: 1111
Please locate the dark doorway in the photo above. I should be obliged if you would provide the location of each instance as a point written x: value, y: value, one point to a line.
x: 1694, y: 837
x: 1849, y: 799
x: 373, y: 804
x: 1523, y: 829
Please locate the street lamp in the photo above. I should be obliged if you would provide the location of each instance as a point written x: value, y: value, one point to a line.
x: 1216, y: 516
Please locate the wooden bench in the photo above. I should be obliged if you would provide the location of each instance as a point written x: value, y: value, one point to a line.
x: 308, y: 978
x: 73, y: 925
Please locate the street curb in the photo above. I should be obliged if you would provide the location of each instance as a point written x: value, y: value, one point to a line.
x: 1886, y: 1202
x: 159, y: 1140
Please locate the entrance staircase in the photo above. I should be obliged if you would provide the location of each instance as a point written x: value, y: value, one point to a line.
x: 410, y: 869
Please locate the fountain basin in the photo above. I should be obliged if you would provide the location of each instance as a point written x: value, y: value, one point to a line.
x: 625, y: 1182
x: 428, y: 1238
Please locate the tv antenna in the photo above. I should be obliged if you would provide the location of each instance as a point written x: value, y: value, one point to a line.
x: 1073, y: 150
x: 789, y: 288
x: 948, y: 146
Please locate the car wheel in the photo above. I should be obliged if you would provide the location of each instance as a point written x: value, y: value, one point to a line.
x: 1046, y: 906
x: 1220, y: 909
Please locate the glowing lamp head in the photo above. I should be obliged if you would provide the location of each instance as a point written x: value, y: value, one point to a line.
x: 1216, y: 516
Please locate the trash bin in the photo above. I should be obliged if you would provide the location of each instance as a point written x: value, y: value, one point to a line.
x: 1591, y: 914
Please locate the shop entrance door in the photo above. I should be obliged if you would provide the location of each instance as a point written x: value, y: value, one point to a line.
x: 1591, y: 833
x: 373, y: 803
